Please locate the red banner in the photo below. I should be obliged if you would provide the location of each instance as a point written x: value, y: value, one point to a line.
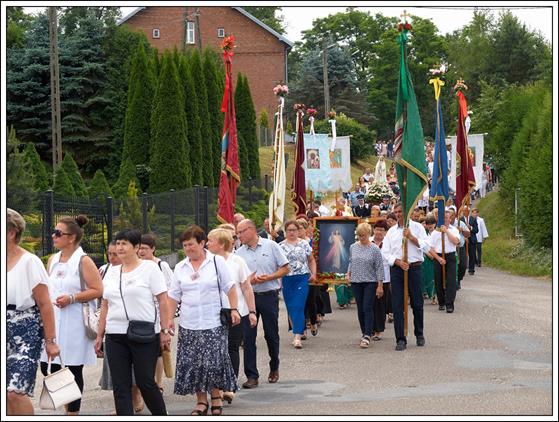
x: 465, y: 179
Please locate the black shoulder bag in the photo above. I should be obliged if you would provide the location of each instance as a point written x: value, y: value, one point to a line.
x: 224, y: 313
x: 138, y: 331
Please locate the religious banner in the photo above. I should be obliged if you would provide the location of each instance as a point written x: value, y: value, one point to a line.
x: 476, y: 147
x: 326, y: 170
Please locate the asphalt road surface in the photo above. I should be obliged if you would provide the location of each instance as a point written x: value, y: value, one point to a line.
x: 492, y: 356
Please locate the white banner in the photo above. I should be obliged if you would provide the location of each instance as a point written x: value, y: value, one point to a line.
x: 475, y: 143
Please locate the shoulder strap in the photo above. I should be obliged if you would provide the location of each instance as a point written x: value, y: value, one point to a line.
x: 122, y: 297
x: 218, y: 288
x: 82, y: 280
x: 159, y: 265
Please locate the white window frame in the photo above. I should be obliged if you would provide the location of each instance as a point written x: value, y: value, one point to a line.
x: 155, y: 34
x: 190, y: 32
x: 221, y: 32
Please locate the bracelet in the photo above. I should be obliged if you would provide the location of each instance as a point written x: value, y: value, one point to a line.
x: 235, y: 309
x: 50, y: 340
x: 72, y: 298
x: 252, y: 312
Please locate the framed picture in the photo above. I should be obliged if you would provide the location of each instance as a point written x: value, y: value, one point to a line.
x: 313, y: 158
x: 332, y: 238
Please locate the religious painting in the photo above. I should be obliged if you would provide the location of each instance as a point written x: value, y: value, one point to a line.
x: 313, y: 158
x: 472, y: 154
x: 332, y: 238
x: 335, y: 158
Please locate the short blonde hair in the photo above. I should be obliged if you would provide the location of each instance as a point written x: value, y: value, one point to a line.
x: 363, y: 228
x: 15, y: 222
x: 303, y: 223
x: 222, y: 236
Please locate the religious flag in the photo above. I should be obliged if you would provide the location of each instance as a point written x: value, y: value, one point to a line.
x: 277, y: 197
x: 439, y: 178
x: 465, y: 179
x: 230, y: 174
x: 409, y: 145
x: 298, y: 189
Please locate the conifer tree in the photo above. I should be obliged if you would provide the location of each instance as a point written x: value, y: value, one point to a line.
x: 41, y: 180
x: 214, y: 107
x: 198, y: 78
x: 73, y: 173
x: 241, y: 114
x: 99, y: 187
x: 197, y: 155
x: 18, y: 184
x: 251, y: 140
x: 62, y: 185
x: 169, y: 161
x: 154, y: 62
x: 127, y: 172
x: 138, y: 112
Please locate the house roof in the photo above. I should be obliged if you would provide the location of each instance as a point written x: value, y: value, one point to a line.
x: 238, y: 9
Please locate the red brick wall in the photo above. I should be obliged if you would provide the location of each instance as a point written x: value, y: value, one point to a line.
x: 258, y: 54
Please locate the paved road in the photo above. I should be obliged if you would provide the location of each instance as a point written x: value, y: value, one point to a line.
x: 492, y: 356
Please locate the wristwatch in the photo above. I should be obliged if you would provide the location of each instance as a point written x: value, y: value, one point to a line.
x: 165, y: 331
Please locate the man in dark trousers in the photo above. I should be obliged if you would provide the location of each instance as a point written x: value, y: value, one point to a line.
x: 472, y: 240
x: 362, y: 210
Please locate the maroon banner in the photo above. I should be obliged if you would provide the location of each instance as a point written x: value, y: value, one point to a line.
x: 465, y: 179
x: 299, y: 191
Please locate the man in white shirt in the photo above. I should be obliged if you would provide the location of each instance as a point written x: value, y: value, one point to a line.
x: 461, y: 254
x: 481, y: 235
x: 392, y: 251
x: 446, y: 292
x: 320, y: 209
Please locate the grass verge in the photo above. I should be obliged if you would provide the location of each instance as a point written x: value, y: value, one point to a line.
x: 502, y: 250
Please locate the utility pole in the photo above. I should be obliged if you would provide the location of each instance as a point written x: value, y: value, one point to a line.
x: 55, y: 89
x: 325, y: 77
x: 198, y: 32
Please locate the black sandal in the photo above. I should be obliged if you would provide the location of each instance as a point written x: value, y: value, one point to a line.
x: 198, y: 412
x: 219, y: 409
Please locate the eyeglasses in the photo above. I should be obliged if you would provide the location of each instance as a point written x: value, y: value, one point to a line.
x: 60, y: 233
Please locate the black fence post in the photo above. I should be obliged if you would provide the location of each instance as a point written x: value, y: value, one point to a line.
x: 197, y: 205
x: 48, y: 215
x: 206, y: 206
x: 145, y: 211
x: 109, y: 219
x: 172, y: 220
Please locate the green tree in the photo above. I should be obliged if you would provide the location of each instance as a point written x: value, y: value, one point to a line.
x: 72, y: 17
x: 169, y: 161
x: 267, y: 15
x: 19, y: 186
x: 241, y: 114
x: 130, y: 212
x: 154, y: 62
x: 41, y: 178
x: 73, y: 173
x: 197, y: 72
x: 193, y: 124
x: 138, y: 112
x: 126, y: 174
x: 18, y: 24
x: 213, y: 73
x: 246, y: 125
x: 99, y: 187
x: 62, y: 185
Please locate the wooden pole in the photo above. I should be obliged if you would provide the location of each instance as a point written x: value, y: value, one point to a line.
x: 405, y: 256
x: 54, y: 89
x: 444, y: 265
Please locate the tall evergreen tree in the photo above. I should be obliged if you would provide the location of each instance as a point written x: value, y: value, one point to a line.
x: 99, y: 187
x: 251, y: 139
x: 215, y: 94
x: 138, y: 112
x: 41, y: 178
x: 154, y: 62
x: 169, y: 159
x: 241, y: 114
x: 18, y: 184
x: 62, y: 185
x: 198, y: 77
x: 73, y: 173
x: 197, y: 155
x: 126, y: 174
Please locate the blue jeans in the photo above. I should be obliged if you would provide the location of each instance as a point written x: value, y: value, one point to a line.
x: 267, y: 307
x: 416, y: 300
x: 364, y: 294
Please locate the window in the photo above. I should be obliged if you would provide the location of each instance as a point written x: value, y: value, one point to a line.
x: 190, y: 33
x: 220, y: 32
x: 155, y: 33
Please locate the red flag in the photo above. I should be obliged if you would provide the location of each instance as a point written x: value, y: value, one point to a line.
x: 229, y: 177
x: 299, y: 192
x: 465, y: 179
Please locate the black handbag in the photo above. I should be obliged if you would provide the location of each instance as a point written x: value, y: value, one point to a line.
x: 138, y: 331
x: 224, y: 313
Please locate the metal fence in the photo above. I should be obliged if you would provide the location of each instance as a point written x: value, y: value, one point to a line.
x: 164, y: 214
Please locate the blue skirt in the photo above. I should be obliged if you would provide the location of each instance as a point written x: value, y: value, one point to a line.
x: 295, y: 291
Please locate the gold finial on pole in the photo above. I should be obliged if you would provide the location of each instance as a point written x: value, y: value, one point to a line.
x: 405, y: 15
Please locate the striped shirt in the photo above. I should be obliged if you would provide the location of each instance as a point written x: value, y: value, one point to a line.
x: 365, y: 263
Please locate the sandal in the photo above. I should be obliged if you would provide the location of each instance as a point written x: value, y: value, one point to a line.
x: 314, y: 330
x: 228, y: 396
x: 297, y: 344
x: 216, y: 410
x: 365, y: 341
x: 198, y: 412
x: 376, y: 337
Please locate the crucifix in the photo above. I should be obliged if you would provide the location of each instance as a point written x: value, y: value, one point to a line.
x: 405, y: 15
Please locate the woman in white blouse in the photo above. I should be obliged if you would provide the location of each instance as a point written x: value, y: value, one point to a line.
x: 66, y: 269
x: 29, y: 318
x: 203, y: 363
x: 220, y: 242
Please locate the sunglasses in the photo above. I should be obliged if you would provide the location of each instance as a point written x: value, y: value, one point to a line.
x: 59, y: 233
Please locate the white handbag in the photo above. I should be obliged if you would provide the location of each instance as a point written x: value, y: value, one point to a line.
x: 59, y: 388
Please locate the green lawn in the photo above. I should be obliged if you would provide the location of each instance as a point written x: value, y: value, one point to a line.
x: 502, y: 250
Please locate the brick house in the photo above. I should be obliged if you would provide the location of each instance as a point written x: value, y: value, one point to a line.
x: 260, y: 53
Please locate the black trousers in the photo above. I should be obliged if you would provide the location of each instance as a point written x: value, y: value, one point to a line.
x: 471, y: 256
x: 77, y: 370
x: 235, y: 338
x: 326, y: 307
x: 122, y: 354
x: 380, y: 308
x: 446, y: 295
x: 416, y: 300
x: 364, y: 293
x: 311, y: 307
x: 478, y: 253
x: 462, y: 262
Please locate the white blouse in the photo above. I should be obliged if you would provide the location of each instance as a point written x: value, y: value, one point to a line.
x: 22, y: 279
x: 198, y: 292
x: 239, y: 271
